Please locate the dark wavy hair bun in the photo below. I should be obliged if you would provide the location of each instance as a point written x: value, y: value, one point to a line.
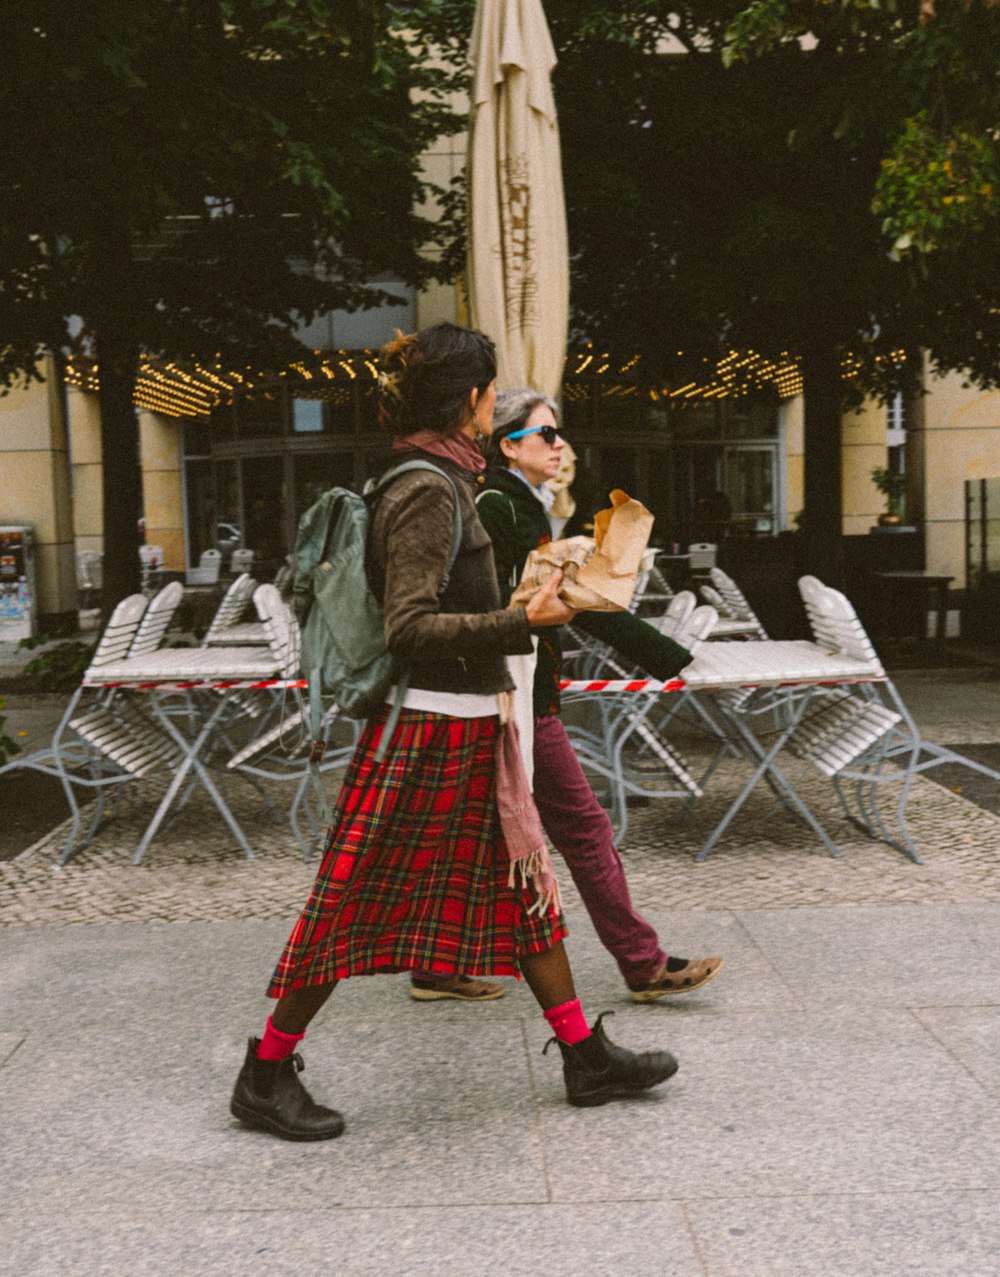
x: 426, y: 377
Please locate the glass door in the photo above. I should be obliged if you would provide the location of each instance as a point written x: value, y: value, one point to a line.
x: 751, y: 486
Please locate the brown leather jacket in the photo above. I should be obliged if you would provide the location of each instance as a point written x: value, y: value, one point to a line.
x: 455, y: 642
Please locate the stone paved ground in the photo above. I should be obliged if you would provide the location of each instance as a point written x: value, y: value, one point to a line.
x: 194, y: 871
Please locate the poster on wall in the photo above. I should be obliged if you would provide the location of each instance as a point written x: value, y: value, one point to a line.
x: 17, y: 584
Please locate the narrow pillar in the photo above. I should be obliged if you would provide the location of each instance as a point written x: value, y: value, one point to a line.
x: 162, y: 501
x: 35, y: 491
x: 83, y: 413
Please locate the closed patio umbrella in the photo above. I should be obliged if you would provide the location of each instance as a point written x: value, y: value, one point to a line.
x: 518, y: 269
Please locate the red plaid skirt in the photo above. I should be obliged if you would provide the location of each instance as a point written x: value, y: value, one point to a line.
x: 415, y: 872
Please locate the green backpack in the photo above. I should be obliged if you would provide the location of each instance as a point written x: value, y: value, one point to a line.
x: 344, y: 651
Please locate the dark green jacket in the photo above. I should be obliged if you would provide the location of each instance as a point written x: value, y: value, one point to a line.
x: 517, y: 524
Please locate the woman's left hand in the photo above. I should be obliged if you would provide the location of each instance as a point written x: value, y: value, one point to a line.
x: 546, y: 607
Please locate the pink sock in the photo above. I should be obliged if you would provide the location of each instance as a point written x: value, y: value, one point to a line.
x: 567, y: 1022
x: 275, y: 1045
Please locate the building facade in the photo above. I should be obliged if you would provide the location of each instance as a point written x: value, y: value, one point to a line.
x: 231, y: 458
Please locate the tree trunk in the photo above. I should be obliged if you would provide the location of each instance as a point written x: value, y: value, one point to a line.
x: 118, y: 364
x: 822, y: 520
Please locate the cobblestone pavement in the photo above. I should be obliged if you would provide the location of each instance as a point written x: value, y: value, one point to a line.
x: 194, y: 872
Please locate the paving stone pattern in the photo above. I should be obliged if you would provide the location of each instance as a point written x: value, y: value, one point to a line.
x: 195, y: 872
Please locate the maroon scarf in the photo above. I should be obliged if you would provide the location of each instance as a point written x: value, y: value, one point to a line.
x: 456, y: 447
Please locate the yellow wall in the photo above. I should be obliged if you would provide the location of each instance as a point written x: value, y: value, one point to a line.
x: 84, y: 422
x: 35, y: 486
x: 163, y: 506
x: 863, y: 447
x: 960, y: 440
x: 793, y: 420
x: 160, y: 458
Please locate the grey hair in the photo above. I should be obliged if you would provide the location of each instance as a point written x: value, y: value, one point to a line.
x: 513, y: 408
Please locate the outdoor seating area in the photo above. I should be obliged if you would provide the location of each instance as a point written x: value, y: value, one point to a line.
x: 827, y: 700
x: 232, y: 710
x: 189, y: 712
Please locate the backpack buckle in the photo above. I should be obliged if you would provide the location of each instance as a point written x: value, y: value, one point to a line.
x: 318, y: 750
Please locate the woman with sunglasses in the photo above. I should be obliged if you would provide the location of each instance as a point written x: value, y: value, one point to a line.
x: 525, y: 447
x: 424, y: 865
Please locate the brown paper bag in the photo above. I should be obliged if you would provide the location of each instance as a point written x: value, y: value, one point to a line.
x: 599, y: 572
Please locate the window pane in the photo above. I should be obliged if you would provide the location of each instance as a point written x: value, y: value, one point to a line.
x: 307, y: 416
x: 750, y: 420
x: 750, y: 477
x: 315, y: 473
x: 264, y: 507
x: 262, y: 415
x: 198, y: 437
x: 228, y: 525
x: 617, y: 469
x: 339, y: 405
x: 368, y: 407
x: 697, y: 419
x: 622, y: 412
x: 200, y: 508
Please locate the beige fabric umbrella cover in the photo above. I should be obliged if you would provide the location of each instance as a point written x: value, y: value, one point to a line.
x: 518, y: 269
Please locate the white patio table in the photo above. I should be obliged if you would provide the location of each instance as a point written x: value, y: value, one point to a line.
x: 798, y: 668
x: 244, y: 634
x: 169, y: 671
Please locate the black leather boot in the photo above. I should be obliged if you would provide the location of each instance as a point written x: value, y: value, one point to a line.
x: 268, y: 1096
x: 596, y: 1070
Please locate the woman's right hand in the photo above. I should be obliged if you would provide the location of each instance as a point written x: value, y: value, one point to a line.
x: 546, y: 607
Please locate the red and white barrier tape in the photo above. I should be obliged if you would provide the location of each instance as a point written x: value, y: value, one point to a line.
x: 621, y: 685
x: 217, y: 685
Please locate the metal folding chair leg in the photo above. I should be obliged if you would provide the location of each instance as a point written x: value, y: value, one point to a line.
x: 190, y: 751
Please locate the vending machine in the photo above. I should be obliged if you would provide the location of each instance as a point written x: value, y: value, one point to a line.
x: 18, y: 597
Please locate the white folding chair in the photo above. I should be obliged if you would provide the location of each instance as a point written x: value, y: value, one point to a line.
x: 735, y: 603
x: 208, y: 569
x: 284, y: 578
x: 652, y: 590
x: 677, y: 612
x: 156, y: 619
x: 622, y: 738
x: 701, y: 557
x: 282, y: 754
x: 228, y: 627
x: 151, y: 567
x: 241, y: 561
x: 89, y: 576
x: 106, y: 743
x: 836, y: 626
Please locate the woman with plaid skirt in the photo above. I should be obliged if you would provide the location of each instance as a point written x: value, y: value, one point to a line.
x: 435, y: 857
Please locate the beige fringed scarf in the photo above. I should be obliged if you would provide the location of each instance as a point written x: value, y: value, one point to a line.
x: 519, y: 819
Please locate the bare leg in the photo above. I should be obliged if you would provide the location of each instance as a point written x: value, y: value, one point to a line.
x: 296, y: 1009
x: 549, y: 977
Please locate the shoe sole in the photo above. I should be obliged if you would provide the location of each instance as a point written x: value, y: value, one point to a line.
x: 438, y: 995
x: 594, y: 1099
x: 257, y: 1123
x: 651, y: 995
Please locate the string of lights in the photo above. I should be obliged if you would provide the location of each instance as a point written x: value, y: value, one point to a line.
x: 176, y: 388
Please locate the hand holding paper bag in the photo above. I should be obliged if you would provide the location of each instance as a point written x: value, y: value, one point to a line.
x: 599, y: 572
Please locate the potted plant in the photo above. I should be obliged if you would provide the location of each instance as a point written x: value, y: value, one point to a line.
x: 892, y: 485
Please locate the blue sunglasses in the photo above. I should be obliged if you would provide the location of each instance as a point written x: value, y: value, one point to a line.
x: 549, y: 433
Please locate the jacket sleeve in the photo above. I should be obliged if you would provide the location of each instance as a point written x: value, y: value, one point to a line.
x: 418, y: 523
x: 496, y: 513
x: 641, y: 643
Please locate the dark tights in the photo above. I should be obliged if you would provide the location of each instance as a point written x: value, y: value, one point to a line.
x: 548, y: 975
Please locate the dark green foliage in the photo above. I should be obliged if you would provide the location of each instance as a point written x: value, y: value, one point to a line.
x: 59, y: 668
x: 197, y: 178
x: 7, y: 745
